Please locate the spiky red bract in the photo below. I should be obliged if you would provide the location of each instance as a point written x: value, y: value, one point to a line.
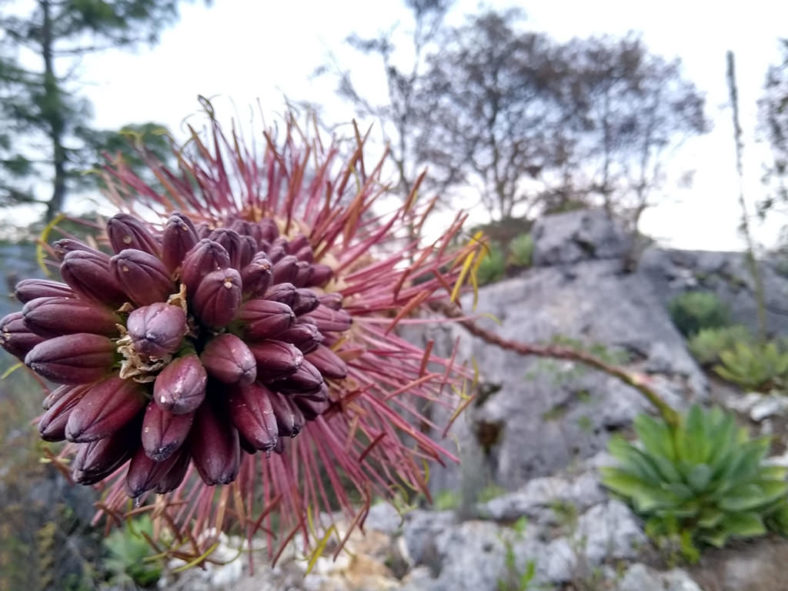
x: 360, y: 434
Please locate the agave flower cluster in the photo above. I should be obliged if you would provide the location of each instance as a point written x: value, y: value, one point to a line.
x: 255, y: 314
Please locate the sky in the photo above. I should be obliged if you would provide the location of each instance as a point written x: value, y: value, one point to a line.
x: 244, y: 52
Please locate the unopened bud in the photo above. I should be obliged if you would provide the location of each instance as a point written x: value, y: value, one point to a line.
x: 264, y: 319
x: 257, y: 275
x: 157, y: 330
x: 232, y: 242
x: 144, y: 474
x: 229, y: 360
x: 328, y: 363
x: 164, y: 432
x: 252, y: 414
x: 282, y: 292
x: 289, y: 418
x: 72, y: 359
x: 321, y: 274
x: 331, y: 300
x: 143, y: 276
x: 98, y: 459
x: 15, y: 337
x: 180, y: 386
x: 126, y: 231
x: 285, y: 269
x: 108, y: 406
x: 179, y: 237
x: 303, y: 274
x: 214, y: 445
x: 305, y: 301
x: 311, y: 408
x: 174, y: 477
x: 52, y: 424
x: 218, y: 297
x: 304, y: 380
x: 276, y: 359
x: 55, y: 316
x: 88, y: 273
x: 268, y: 230
x: 303, y: 335
x: 206, y: 257
x: 67, y: 245
x: 30, y: 289
x: 328, y: 320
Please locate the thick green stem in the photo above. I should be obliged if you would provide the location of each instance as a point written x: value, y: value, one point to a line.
x: 634, y: 380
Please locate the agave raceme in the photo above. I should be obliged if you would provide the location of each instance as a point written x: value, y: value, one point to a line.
x: 257, y: 315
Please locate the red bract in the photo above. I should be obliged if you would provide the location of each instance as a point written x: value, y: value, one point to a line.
x: 258, y: 316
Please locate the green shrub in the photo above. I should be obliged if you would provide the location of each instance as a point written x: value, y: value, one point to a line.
x: 693, y: 311
x: 757, y: 366
x: 129, y: 555
x: 699, y: 483
x: 492, y: 267
x: 708, y: 343
x: 521, y: 250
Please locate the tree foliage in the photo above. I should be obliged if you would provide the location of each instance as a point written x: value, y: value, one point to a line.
x: 773, y: 114
x: 45, y: 133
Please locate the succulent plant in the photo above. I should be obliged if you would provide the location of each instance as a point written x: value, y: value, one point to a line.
x: 702, y: 482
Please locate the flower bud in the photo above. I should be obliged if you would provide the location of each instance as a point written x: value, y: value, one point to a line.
x: 88, y: 273
x: 180, y: 386
x: 15, y: 337
x: 72, y: 359
x: 143, y: 277
x: 52, y: 424
x: 163, y: 432
x: 205, y: 257
x: 218, y: 297
x: 298, y: 243
x: 285, y: 270
x: 328, y: 363
x: 303, y: 274
x: 276, y: 359
x: 305, y: 301
x: 229, y: 360
x: 289, y: 418
x: 321, y: 274
x: 179, y: 237
x: 305, y: 254
x: 144, y: 474
x: 248, y: 250
x: 252, y: 414
x: 157, y: 330
x: 304, y: 380
x: 232, y: 242
x: 303, y: 335
x: 67, y: 245
x: 328, y: 320
x: 108, y: 406
x: 250, y: 229
x: 276, y: 252
x: 55, y: 395
x: 126, y: 231
x: 264, y: 319
x: 55, y: 316
x: 30, y: 289
x: 256, y: 275
x: 174, y: 477
x: 331, y: 300
x: 98, y: 459
x: 282, y: 292
x: 214, y: 445
x: 268, y: 230
x: 311, y: 409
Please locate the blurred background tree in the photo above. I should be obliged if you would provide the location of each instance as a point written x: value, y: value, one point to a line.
x: 773, y: 115
x: 41, y: 111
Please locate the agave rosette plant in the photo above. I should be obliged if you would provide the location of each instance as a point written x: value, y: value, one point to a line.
x: 246, y: 304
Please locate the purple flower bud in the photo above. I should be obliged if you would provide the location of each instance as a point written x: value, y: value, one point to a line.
x: 55, y: 316
x: 304, y: 380
x: 174, y: 477
x: 126, y: 231
x: 331, y: 300
x: 248, y: 250
x: 328, y: 320
x: 289, y: 418
x: 305, y: 301
x: 250, y: 229
x: 321, y: 274
x: 157, y: 330
x: 257, y: 275
x: 163, y: 432
x: 264, y: 319
x: 203, y: 230
x: 298, y: 243
x: 144, y: 474
x: 30, y: 289
x: 285, y: 270
x: 108, y: 406
x: 305, y: 254
x: 206, y: 257
x: 88, y: 273
x: 282, y: 292
x: 305, y: 336
x: 303, y: 274
x: 72, y: 359
x: 143, y: 276
x: 276, y: 252
x: 231, y: 240
x: 98, y: 459
x: 229, y: 360
x: 276, y: 359
x: 252, y: 414
x: 310, y: 408
x: 55, y: 395
x: 180, y: 386
x: 268, y: 230
x: 328, y: 363
x: 179, y: 237
x: 67, y: 245
x: 52, y: 424
x: 218, y: 297
x: 15, y: 337
x: 214, y: 445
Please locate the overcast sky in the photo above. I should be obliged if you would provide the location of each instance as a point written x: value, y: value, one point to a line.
x: 242, y: 51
